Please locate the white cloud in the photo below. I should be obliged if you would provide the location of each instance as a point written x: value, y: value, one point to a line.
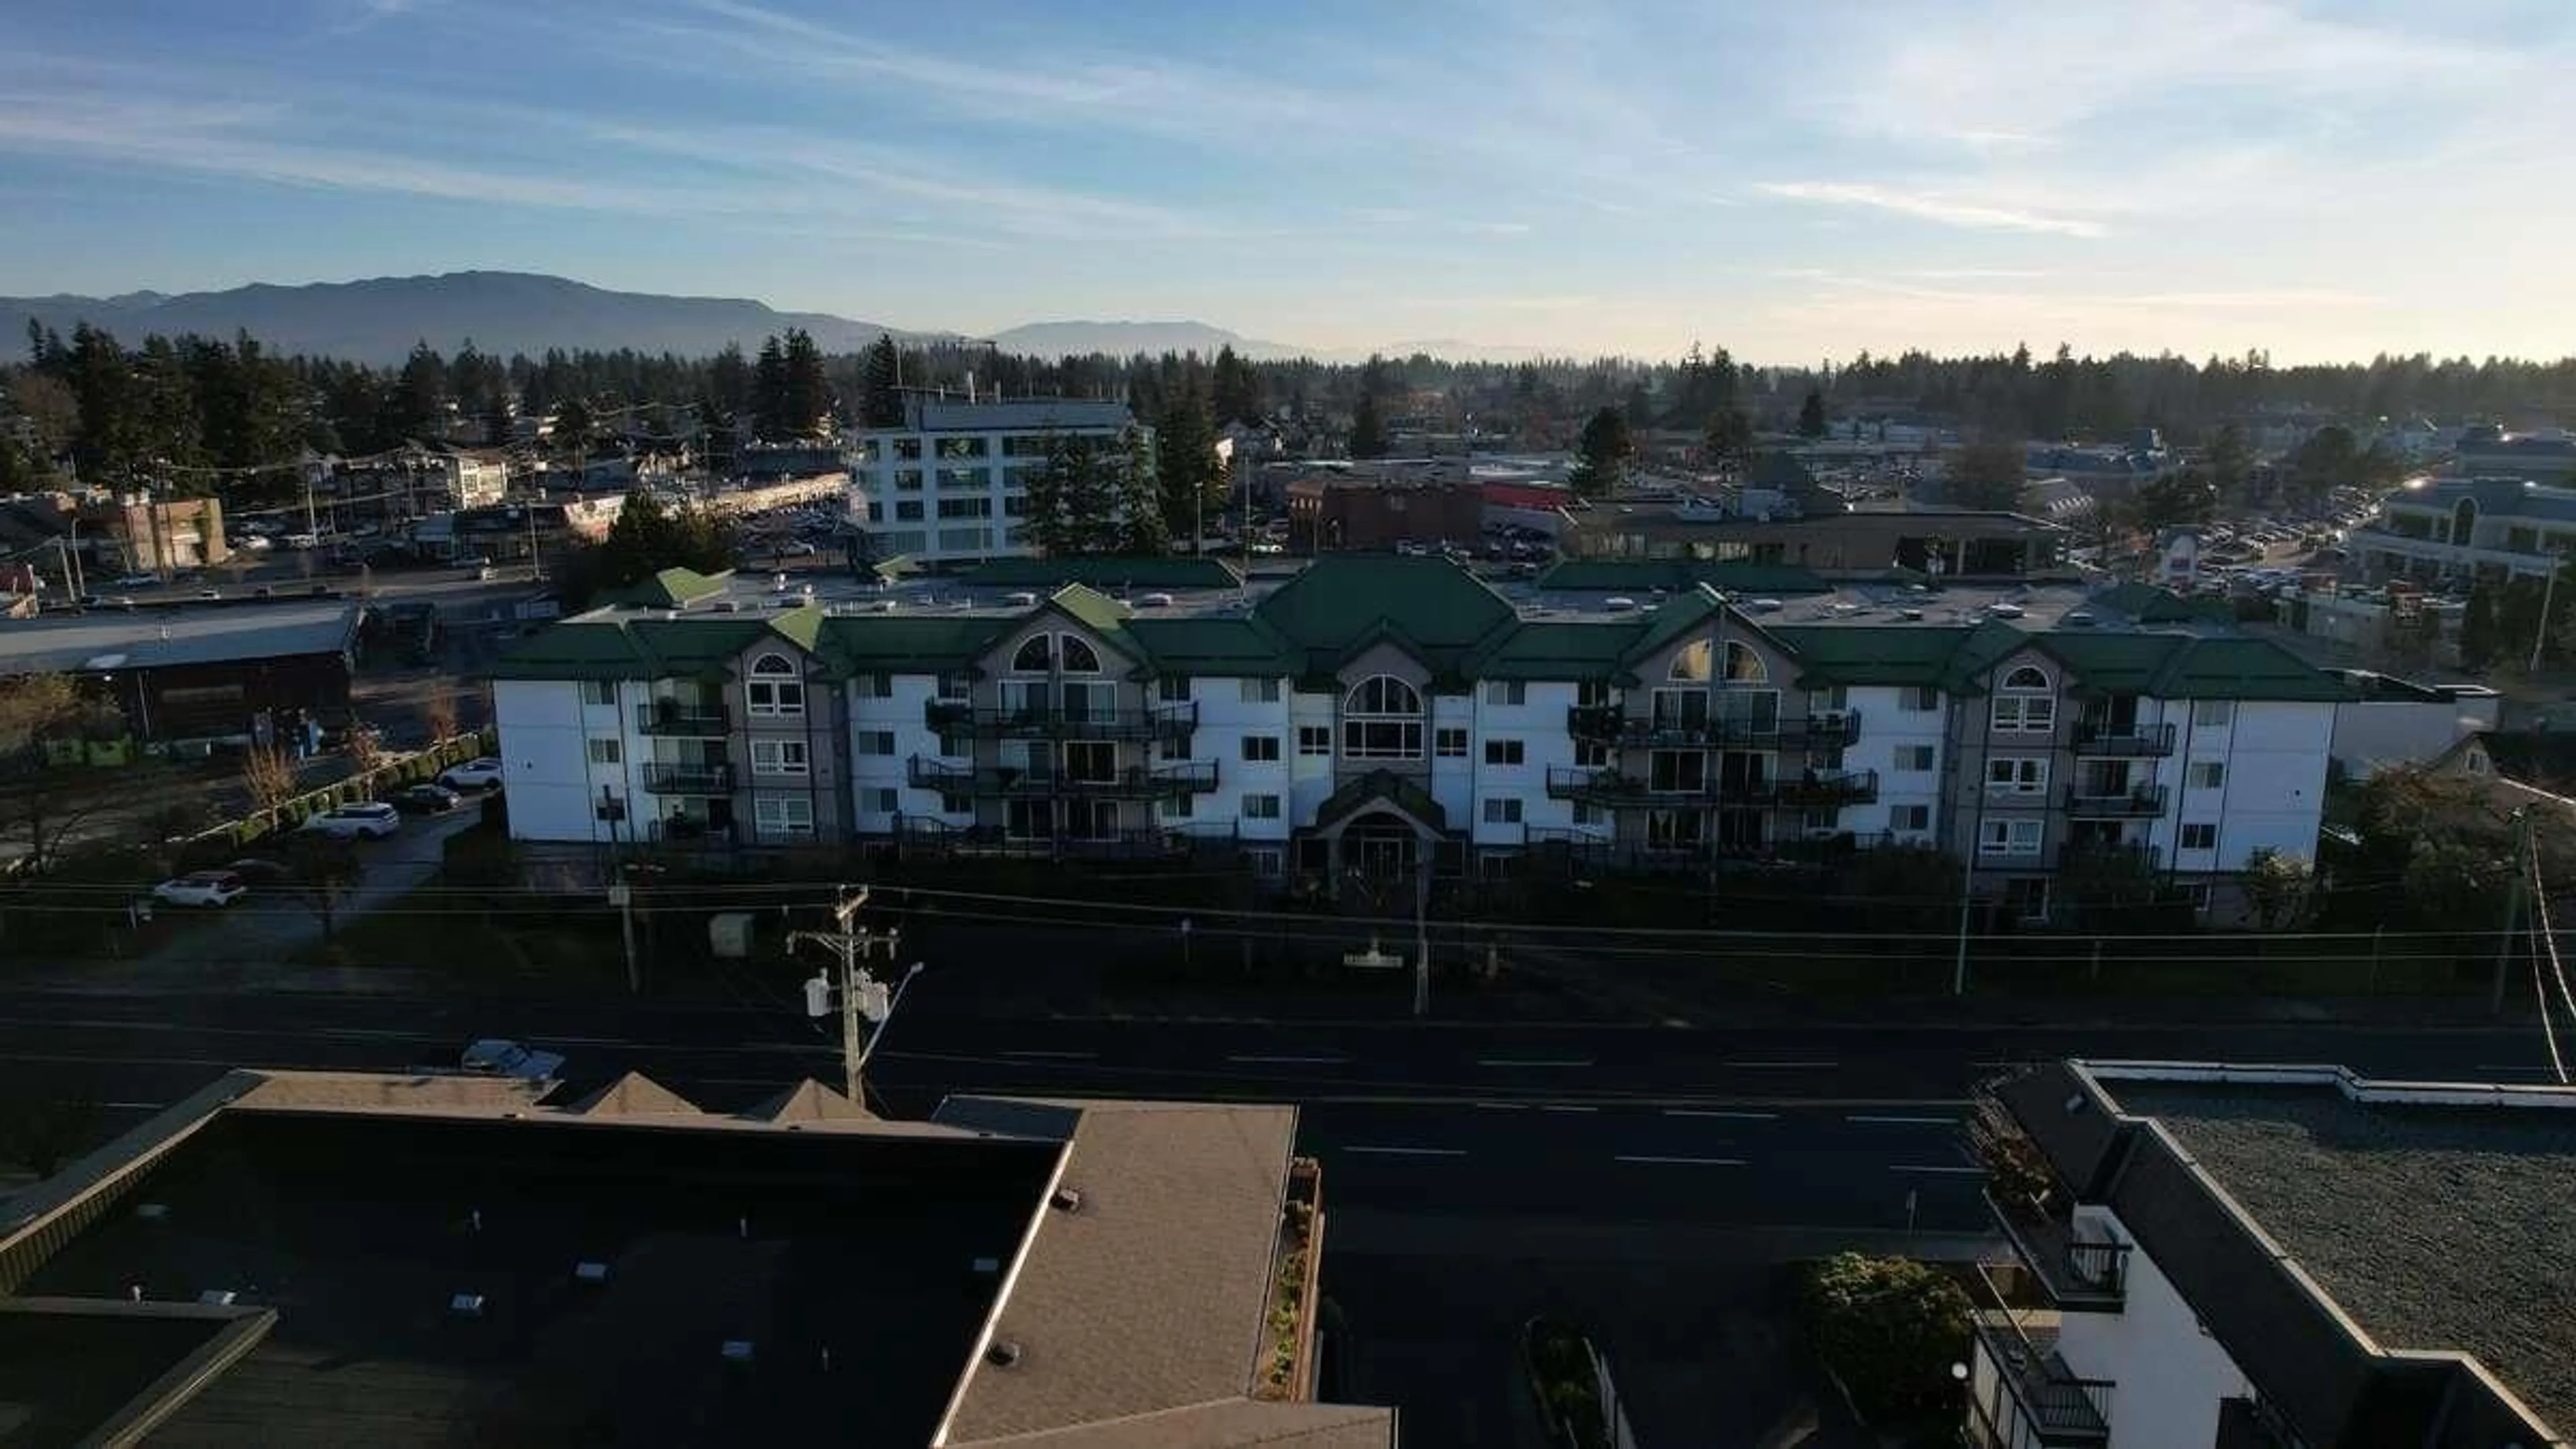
x: 1930, y: 206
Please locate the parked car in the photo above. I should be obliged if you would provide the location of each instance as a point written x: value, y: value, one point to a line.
x: 425, y: 799
x: 304, y: 540
x: 369, y: 820
x: 135, y: 581
x: 482, y: 774
x: 202, y: 888
x: 261, y: 868
x: 495, y: 1057
x: 255, y: 543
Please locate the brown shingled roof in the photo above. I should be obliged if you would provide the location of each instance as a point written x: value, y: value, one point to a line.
x: 635, y: 1095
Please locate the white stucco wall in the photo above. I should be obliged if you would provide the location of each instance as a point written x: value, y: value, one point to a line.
x: 2272, y: 792
x: 2168, y: 1374
x: 545, y: 752
x: 1885, y: 727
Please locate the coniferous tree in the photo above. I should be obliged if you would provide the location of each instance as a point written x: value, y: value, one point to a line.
x: 1235, y: 388
x: 881, y: 383
x: 1140, y: 528
x: 769, y: 391
x: 1602, y: 454
x: 1811, y: 414
x: 806, y: 394
x: 1368, y: 429
x: 1192, y: 481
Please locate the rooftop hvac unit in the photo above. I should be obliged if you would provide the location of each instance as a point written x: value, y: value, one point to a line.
x: 1619, y: 603
x: 2077, y: 620
x: 887, y: 606
x: 465, y: 1305
x: 216, y: 1298
x: 1003, y: 1353
x: 736, y: 1350
x: 590, y: 1272
x: 1021, y: 600
x: 1912, y: 615
x: 1155, y: 601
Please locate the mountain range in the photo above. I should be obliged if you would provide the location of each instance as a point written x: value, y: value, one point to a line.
x: 378, y: 321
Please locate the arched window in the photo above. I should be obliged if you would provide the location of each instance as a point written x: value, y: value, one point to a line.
x: 2464, y: 521
x: 1076, y: 655
x: 1691, y: 665
x: 1035, y: 656
x: 775, y: 689
x: 1743, y: 666
x: 1382, y: 720
x: 2026, y: 702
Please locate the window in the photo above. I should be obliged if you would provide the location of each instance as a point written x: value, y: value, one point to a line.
x: 907, y: 510
x: 599, y: 691
x: 1036, y: 655
x: 2198, y: 894
x: 874, y: 742
x: 956, y: 805
x: 1590, y: 812
x: 1507, y: 692
x: 1677, y: 772
x: 908, y: 449
x: 1266, y: 861
x: 783, y: 814
x: 1382, y: 720
x: 1910, y: 817
x: 1449, y: 743
x: 2010, y: 837
x: 1503, y: 752
x: 2025, y: 714
x: 1260, y: 749
x: 775, y: 690
x: 1314, y: 741
x: 1918, y: 699
x: 2200, y: 837
x: 608, y: 807
x: 2205, y: 775
x: 1260, y: 807
x: 786, y: 757
x: 1179, y: 807
x: 1090, y: 761
x: 907, y: 480
x: 955, y: 686
x: 1743, y: 666
x: 978, y: 507
x: 2213, y: 713
x: 604, y: 752
x: 1592, y: 694
x: 1173, y: 689
x: 2029, y: 678
x: 872, y: 686
x: 1074, y: 655
x: 2016, y: 775
x: 961, y: 447
x: 1502, y: 810
x: 1592, y: 754
x: 1676, y: 829
x: 880, y: 800
x: 1914, y: 758
x: 1691, y: 665
x: 1257, y: 691
x: 956, y: 747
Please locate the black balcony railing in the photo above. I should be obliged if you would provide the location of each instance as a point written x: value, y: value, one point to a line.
x: 2137, y: 803
x: 1810, y: 790
x: 2082, y: 1275
x: 1135, y: 782
x: 661, y: 779
x: 1161, y: 722
x: 669, y: 717
x: 1826, y: 729
x: 2101, y: 737
x: 2108, y: 856
x: 2052, y: 1404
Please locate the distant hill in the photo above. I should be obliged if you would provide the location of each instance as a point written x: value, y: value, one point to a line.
x: 1120, y: 339
x: 379, y: 319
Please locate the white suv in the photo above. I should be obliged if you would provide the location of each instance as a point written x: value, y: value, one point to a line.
x: 482, y: 774
x: 367, y: 821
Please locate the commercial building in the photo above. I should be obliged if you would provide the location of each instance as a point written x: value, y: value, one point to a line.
x: 198, y: 672
x: 2488, y: 451
x: 293, y: 1258
x: 951, y: 483
x: 1927, y: 541
x: 2256, y: 1257
x: 1329, y: 511
x: 2468, y: 528
x: 1378, y: 713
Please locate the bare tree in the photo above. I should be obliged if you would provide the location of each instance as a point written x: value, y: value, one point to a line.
x: 38, y: 801
x: 366, y: 749
x: 439, y: 713
x: 269, y: 775
x: 326, y: 870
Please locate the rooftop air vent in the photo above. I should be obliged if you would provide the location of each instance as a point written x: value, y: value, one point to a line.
x: 736, y: 1350
x: 888, y: 606
x: 1020, y: 600
x: 1764, y: 606
x: 1154, y: 601
x: 1910, y: 615
x: 1002, y: 1354
x: 1067, y: 1199
x: 1619, y: 603
x: 153, y: 1212
x: 216, y: 1298
x: 465, y: 1305
x: 590, y: 1272
x: 2005, y: 611
x: 987, y: 1267
x: 2077, y: 620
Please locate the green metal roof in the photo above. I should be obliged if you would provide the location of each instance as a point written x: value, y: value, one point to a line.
x: 2239, y: 668
x: 1104, y: 573
x: 1381, y: 786
x: 1639, y: 576
x: 1549, y: 649
x: 1243, y: 647
x: 907, y: 643
x: 672, y: 588
x: 1437, y: 610
x: 2151, y: 605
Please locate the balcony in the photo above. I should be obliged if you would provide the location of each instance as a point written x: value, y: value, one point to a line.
x: 2144, y: 802
x: 1136, y: 782
x: 2125, y: 741
x: 2095, y: 855
x: 1811, y: 790
x: 1828, y: 729
x: 670, y: 717
x: 1162, y: 722
x: 2082, y: 1275
x: 2022, y: 1395
x: 661, y: 779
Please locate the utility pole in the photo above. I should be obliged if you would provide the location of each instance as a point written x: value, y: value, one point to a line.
x: 2512, y: 909
x: 1422, y: 938
x: 859, y: 992
x: 2540, y: 636
x: 1967, y: 898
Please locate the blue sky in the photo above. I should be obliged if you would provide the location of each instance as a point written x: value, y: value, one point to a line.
x: 1795, y: 181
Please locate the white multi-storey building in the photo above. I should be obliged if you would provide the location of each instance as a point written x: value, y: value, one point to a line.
x: 2266, y: 1257
x: 1379, y: 714
x: 952, y: 483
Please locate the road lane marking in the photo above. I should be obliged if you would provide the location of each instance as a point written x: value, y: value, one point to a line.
x: 1566, y: 1107
x: 1787, y: 1066
x: 1725, y: 1116
x: 363, y: 1033
x: 1055, y: 1056
x: 1942, y: 1171
x: 1292, y: 1061
x: 1504, y: 1106
x: 134, y: 1106
x: 1659, y: 1158
x: 1533, y: 1061
x: 1901, y: 1121
x: 1410, y: 1151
